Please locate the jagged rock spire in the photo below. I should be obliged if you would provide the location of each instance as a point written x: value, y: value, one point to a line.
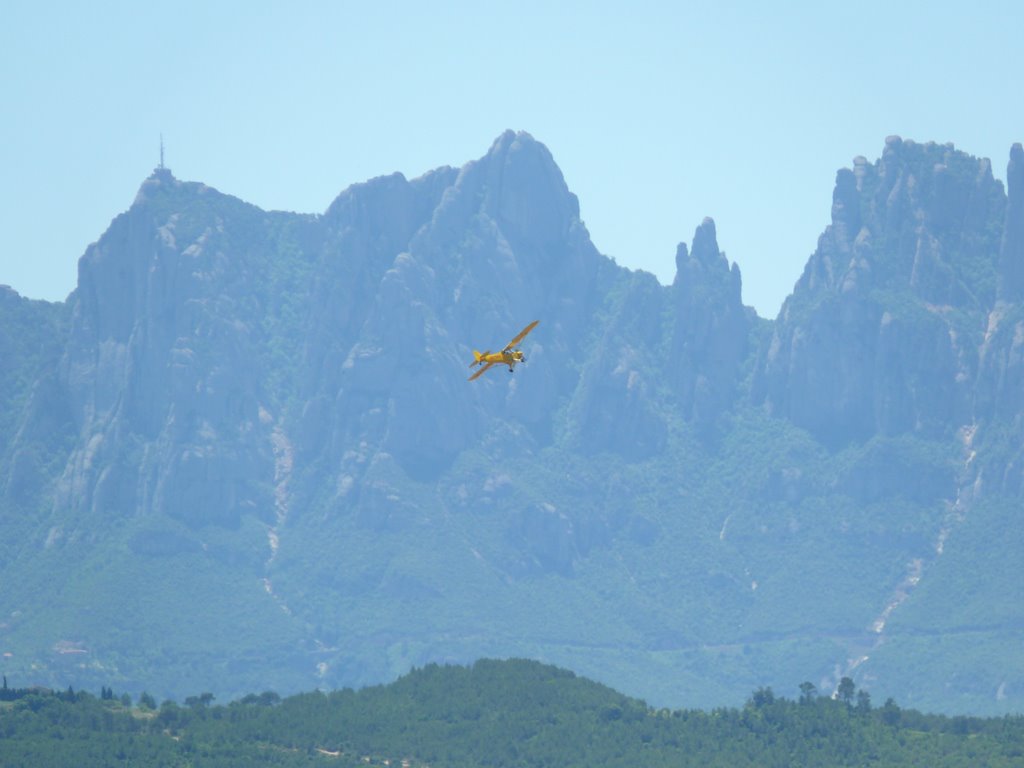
x: 1011, y: 252
x: 710, y: 336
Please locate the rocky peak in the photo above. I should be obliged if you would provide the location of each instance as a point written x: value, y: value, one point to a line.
x: 705, y: 243
x: 998, y: 398
x: 1011, y: 251
x: 164, y: 348
x: 160, y: 180
x: 454, y: 259
x: 370, y: 223
x: 8, y: 296
x: 525, y: 192
x: 709, y: 338
x: 902, y: 222
x: 846, y: 214
x: 705, y: 264
x: 847, y: 361
x: 388, y: 204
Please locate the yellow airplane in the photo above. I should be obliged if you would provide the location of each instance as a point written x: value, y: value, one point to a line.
x: 507, y: 356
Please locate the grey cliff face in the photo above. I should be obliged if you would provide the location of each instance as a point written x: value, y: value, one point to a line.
x: 615, y: 406
x: 999, y: 392
x: 477, y: 254
x: 184, y: 362
x: 33, y: 423
x: 710, y: 335
x: 694, y: 337
x: 161, y: 368
x: 880, y: 334
x: 1011, y: 255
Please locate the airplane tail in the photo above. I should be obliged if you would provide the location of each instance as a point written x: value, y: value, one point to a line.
x: 477, y: 358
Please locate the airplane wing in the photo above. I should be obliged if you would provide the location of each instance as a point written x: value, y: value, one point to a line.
x: 521, y: 336
x: 481, y: 371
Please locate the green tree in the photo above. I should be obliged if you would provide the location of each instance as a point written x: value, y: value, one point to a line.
x: 808, y: 692
x: 863, y: 701
x: 890, y: 712
x: 847, y: 689
x: 269, y: 698
x: 202, y: 701
x: 762, y: 697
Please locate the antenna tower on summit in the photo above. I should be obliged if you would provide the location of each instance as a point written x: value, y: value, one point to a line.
x: 161, y: 151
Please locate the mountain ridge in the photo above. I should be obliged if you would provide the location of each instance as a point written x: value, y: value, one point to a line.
x: 275, y: 404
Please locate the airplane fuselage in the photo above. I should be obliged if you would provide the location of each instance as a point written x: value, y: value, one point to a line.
x: 509, y: 358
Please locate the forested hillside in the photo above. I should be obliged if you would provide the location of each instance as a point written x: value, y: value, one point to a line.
x: 512, y: 713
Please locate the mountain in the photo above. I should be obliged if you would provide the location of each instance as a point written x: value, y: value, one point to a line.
x: 244, y: 453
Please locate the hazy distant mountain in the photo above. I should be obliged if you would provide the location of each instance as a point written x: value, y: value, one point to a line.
x: 244, y: 455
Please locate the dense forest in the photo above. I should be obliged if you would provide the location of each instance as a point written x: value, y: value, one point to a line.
x: 495, y: 713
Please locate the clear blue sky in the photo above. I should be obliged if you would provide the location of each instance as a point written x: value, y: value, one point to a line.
x: 657, y: 113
